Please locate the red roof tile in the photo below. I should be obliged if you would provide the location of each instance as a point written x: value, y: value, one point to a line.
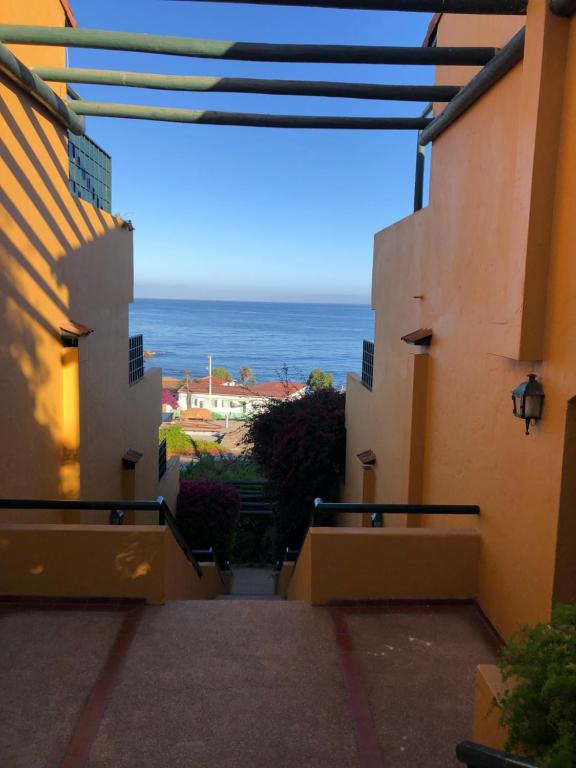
x: 277, y: 388
x: 77, y: 329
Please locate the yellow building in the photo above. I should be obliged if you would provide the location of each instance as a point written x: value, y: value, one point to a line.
x: 70, y: 410
x: 485, y: 273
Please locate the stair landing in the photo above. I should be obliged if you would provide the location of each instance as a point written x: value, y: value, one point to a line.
x: 239, y: 684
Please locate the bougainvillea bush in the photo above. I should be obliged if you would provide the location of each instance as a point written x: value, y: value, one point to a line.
x: 539, y: 710
x: 300, y: 445
x: 207, y: 512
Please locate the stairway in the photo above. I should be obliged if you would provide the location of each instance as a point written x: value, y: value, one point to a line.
x: 252, y: 584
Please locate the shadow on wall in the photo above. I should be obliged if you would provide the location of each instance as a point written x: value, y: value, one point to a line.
x: 44, y: 235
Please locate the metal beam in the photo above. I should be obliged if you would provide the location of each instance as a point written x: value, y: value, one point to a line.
x: 248, y: 85
x: 508, y: 57
x: 222, y: 49
x: 501, y: 7
x: 37, y: 88
x: 201, y: 117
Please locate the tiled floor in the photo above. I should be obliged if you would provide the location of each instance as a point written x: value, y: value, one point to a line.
x: 237, y: 684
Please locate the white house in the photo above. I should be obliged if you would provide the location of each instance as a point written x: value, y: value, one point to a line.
x: 231, y: 399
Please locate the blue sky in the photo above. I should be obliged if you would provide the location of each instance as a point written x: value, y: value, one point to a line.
x: 247, y: 213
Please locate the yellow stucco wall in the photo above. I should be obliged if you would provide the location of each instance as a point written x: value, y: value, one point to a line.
x: 492, y: 258
x: 65, y: 429
x: 386, y: 563
x: 97, y: 561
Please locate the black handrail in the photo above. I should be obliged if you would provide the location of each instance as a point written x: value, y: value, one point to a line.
x: 476, y: 755
x: 377, y: 510
x: 162, y: 459
x: 405, y: 509
x: 46, y: 504
x: 166, y: 517
x: 115, y: 508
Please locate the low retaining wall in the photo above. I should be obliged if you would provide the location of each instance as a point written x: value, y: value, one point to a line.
x: 488, y: 688
x: 386, y: 563
x: 98, y: 561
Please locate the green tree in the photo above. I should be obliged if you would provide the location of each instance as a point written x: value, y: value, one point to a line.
x: 245, y: 375
x: 319, y: 380
x: 222, y: 373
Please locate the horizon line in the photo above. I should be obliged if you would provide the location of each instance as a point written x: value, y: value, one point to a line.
x: 254, y: 301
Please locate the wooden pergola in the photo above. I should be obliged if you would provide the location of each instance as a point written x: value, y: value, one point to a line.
x: 494, y: 62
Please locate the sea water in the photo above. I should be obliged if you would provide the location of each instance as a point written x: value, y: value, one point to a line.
x: 266, y: 337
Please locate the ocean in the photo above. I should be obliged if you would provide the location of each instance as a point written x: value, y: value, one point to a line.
x: 265, y: 337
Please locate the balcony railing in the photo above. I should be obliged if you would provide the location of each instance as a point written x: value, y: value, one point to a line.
x: 368, y: 364
x: 162, y: 459
x: 136, y: 358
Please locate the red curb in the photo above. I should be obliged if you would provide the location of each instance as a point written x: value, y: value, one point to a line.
x: 369, y: 752
x: 86, y: 730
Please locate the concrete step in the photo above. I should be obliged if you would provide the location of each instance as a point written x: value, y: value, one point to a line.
x: 248, y: 597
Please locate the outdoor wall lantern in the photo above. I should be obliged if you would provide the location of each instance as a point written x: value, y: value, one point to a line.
x: 528, y: 400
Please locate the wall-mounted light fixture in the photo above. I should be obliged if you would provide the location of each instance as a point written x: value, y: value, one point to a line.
x: 528, y: 401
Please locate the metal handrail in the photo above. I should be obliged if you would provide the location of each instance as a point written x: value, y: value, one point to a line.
x: 475, y: 755
x: 404, y: 509
x: 162, y: 459
x: 115, y: 508
x: 166, y: 517
x: 47, y: 504
x: 377, y: 510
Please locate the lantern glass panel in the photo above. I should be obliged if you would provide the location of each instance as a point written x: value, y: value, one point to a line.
x: 533, y: 406
x: 519, y: 406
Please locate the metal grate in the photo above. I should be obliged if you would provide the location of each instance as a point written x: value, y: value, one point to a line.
x: 162, y: 459
x: 368, y: 364
x: 136, y: 359
x: 90, y: 172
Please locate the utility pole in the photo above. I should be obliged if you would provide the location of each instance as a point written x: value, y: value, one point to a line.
x: 187, y: 373
x: 210, y: 382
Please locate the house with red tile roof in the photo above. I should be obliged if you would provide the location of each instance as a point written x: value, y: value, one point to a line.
x: 232, y: 399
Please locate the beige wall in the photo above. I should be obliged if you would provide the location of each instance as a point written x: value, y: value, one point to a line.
x: 61, y: 258
x: 492, y: 257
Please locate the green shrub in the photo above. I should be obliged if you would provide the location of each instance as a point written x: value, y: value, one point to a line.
x: 300, y: 445
x: 540, y: 709
x: 207, y: 512
x: 225, y: 468
x: 177, y: 441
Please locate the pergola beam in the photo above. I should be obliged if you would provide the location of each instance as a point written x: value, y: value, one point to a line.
x: 201, y: 117
x: 436, y: 93
x: 16, y: 71
x: 500, y: 7
x: 509, y: 56
x: 72, y: 37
